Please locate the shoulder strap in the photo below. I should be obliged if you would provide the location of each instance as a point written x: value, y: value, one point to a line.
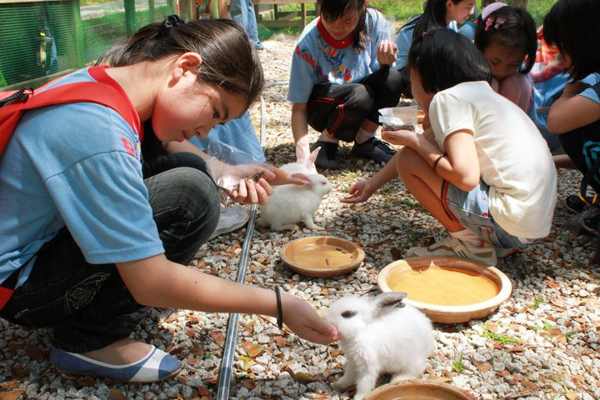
x: 104, y: 91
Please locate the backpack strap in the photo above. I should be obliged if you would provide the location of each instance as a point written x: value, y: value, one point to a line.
x: 104, y: 91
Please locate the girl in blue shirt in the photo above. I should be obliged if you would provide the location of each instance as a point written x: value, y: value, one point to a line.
x: 437, y: 14
x: 575, y: 115
x: 86, y: 239
x: 340, y: 77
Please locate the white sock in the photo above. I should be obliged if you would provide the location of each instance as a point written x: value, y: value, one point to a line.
x: 363, y: 135
x: 469, y: 237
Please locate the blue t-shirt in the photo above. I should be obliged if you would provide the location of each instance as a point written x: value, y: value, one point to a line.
x: 314, y: 61
x: 234, y: 142
x: 75, y: 166
x: 405, y: 37
x: 589, y: 93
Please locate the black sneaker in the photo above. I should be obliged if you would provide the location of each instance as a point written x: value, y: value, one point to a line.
x: 327, y: 157
x: 576, y: 204
x: 373, y: 149
x: 591, y: 224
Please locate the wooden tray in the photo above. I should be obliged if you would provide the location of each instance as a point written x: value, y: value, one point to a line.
x: 418, y: 390
x: 322, y: 256
x: 452, y: 314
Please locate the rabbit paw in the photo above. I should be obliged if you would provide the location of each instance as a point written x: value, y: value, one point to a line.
x: 342, y: 384
x: 287, y: 227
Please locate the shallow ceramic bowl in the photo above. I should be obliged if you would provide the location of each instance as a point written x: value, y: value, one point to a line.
x: 418, y: 390
x: 452, y: 314
x: 322, y: 256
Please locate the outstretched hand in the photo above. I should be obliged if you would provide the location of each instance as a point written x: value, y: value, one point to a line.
x: 283, y: 178
x: 304, y: 321
x: 359, y: 192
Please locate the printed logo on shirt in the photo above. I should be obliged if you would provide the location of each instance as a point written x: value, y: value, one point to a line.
x: 129, y: 148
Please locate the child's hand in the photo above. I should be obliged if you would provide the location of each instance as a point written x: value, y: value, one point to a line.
x: 401, y: 137
x: 283, y: 178
x: 304, y: 321
x: 572, y: 89
x: 359, y: 192
x: 386, y: 52
x: 247, y: 183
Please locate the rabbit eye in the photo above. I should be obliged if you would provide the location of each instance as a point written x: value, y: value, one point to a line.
x: 348, y: 314
x: 323, y: 183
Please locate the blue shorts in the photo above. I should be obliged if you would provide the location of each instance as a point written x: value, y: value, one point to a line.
x: 471, y: 209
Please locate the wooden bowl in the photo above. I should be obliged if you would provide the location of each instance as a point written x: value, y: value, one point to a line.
x: 322, y: 256
x: 418, y: 390
x: 476, y: 273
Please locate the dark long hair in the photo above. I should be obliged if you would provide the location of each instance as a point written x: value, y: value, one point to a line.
x: 573, y: 26
x: 228, y: 59
x: 444, y: 58
x: 334, y: 9
x: 511, y: 27
x: 434, y: 16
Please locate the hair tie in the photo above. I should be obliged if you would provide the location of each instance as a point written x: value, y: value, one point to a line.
x: 172, y: 21
x: 494, y: 22
x: 490, y: 8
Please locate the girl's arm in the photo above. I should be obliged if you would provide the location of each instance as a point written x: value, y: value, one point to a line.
x: 571, y: 111
x: 459, y: 165
x: 158, y: 282
x: 299, y: 121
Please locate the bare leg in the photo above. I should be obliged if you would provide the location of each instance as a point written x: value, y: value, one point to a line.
x: 563, y: 161
x: 423, y: 183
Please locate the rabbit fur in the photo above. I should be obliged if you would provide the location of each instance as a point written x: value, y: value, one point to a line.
x: 290, y: 204
x: 378, y: 335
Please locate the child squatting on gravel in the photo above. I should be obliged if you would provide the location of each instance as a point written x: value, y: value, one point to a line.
x: 482, y: 170
x: 86, y: 240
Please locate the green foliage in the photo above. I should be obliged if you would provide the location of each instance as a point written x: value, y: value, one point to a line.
x: 499, y: 338
x: 537, y: 302
x: 457, y: 365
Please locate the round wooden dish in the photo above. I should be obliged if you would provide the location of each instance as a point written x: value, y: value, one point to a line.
x: 451, y: 314
x: 418, y: 390
x: 322, y: 256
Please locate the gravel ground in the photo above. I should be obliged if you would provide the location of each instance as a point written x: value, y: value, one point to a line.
x: 541, y: 344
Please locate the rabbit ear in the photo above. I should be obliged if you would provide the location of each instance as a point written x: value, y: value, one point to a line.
x: 388, y: 302
x: 310, y: 163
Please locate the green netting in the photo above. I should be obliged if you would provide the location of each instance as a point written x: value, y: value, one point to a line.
x: 35, y: 40
x: 42, y: 38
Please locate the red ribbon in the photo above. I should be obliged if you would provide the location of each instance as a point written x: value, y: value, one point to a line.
x: 330, y: 40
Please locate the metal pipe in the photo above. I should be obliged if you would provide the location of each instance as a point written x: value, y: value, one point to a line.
x: 226, y: 367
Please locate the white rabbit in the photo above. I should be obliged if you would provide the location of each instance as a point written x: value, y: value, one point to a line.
x: 380, y: 335
x: 290, y: 204
x: 305, y: 160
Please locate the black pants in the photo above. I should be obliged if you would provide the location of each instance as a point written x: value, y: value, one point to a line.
x: 88, y: 306
x: 341, y: 109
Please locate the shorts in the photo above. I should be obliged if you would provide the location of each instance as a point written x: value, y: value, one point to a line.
x: 471, y: 209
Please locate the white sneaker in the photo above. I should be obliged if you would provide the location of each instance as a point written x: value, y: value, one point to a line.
x: 231, y: 219
x: 452, y: 247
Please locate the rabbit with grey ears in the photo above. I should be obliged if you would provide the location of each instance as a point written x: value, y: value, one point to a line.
x: 290, y: 204
x: 380, y: 334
